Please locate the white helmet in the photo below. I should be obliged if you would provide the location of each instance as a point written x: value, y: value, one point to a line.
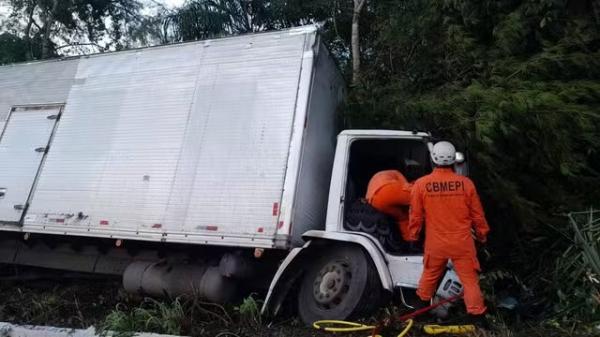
x: 443, y: 154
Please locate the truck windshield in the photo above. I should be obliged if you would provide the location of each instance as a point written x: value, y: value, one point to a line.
x: 369, y: 156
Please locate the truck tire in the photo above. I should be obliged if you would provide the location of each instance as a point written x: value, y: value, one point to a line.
x: 341, y: 284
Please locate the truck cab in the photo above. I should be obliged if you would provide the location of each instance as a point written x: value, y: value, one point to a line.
x: 357, y: 263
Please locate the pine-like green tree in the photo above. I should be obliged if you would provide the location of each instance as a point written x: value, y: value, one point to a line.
x: 517, y: 85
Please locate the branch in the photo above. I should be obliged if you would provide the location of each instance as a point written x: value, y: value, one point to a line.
x: 118, y: 4
x: 30, y: 21
x: 36, y: 24
x: 78, y: 44
x: 334, y: 18
x: 358, y: 5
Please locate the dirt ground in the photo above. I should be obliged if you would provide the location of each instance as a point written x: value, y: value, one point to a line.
x: 80, y: 303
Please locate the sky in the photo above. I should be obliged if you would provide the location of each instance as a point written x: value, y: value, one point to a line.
x: 150, y: 8
x: 4, y: 8
x: 171, y: 3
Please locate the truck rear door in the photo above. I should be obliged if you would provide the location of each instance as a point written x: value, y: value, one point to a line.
x: 23, y: 145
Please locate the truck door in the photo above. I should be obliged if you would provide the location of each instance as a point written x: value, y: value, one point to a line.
x: 23, y: 146
x: 368, y: 156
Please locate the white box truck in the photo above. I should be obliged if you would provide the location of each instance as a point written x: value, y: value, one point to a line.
x: 210, y: 166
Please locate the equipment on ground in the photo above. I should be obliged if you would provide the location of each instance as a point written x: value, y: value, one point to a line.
x: 432, y: 329
x: 343, y: 326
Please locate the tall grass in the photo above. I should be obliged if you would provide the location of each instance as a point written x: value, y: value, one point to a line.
x: 577, y: 270
x: 173, y: 317
x: 152, y: 315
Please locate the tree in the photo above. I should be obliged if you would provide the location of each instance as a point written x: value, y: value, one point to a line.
x: 358, y: 6
x: 517, y: 84
x: 71, y: 24
x: 201, y: 19
x: 209, y: 18
x: 12, y: 49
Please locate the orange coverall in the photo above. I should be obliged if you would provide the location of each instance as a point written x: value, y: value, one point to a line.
x: 450, y: 206
x: 389, y: 193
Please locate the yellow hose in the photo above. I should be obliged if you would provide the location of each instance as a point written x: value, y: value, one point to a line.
x: 452, y: 329
x: 431, y: 329
x: 341, y: 326
x: 408, y: 326
x: 344, y: 326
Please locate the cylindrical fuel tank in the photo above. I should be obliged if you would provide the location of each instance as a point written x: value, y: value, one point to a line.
x: 166, y: 279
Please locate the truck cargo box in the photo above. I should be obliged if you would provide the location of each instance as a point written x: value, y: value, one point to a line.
x: 221, y: 142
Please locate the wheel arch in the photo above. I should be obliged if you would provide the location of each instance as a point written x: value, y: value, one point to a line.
x: 293, y: 265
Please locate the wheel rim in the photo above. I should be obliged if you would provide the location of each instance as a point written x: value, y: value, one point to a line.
x: 332, y: 284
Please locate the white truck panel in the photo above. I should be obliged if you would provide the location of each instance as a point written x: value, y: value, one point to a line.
x: 116, y: 148
x: 35, y: 83
x: 183, y: 143
x: 22, y: 147
x: 318, y: 148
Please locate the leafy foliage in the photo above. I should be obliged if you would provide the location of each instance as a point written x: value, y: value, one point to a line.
x: 12, y: 48
x: 577, y: 270
x: 49, y: 26
x: 249, y: 312
x: 202, y: 19
x: 515, y: 83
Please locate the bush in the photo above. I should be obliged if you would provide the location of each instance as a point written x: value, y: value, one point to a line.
x: 249, y: 312
x: 577, y: 271
x: 151, y: 315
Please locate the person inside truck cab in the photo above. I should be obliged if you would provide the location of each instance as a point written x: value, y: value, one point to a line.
x: 389, y: 192
x: 450, y: 207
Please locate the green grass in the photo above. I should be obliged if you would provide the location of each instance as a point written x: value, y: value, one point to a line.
x: 173, y: 317
x: 249, y: 311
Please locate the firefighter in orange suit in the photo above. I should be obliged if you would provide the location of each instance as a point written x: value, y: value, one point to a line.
x: 449, y: 205
x: 389, y: 193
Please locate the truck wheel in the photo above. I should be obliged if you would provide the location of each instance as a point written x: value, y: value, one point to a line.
x: 343, y: 283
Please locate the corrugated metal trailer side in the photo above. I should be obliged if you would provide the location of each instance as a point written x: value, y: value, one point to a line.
x: 318, y: 147
x: 196, y: 143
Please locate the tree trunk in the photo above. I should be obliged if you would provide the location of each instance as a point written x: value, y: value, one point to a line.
x: 248, y: 16
x: 48, y: 19
x: 358, y: 5
x: 30, y: 11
